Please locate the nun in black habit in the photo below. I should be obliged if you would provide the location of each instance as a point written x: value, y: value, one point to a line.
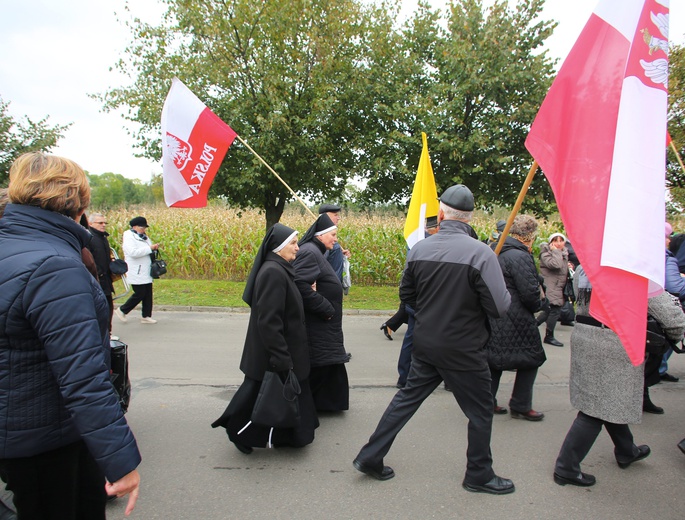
x: 276, y: 341
x: 322, y: 295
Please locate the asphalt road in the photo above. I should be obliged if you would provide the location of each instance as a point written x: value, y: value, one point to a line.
x: 184, y: 370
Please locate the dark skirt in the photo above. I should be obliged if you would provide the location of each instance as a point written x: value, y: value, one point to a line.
x: 330, y: 388
x: 237, y: 416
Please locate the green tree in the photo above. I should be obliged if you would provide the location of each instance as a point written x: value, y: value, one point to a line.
x: 18, y: 137
x: 285, y: 74
x: 332, y: 90
x: 113, y: 190
x: 474, y: 79
x: 675, y: 176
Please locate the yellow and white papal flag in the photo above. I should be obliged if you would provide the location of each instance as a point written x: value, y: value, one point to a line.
x: 424, y: 199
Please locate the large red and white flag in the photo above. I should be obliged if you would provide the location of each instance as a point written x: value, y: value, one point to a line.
x: 599, y: 139
x: 194, y: 142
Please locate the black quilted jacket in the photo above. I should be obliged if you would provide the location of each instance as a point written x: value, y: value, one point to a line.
x: 515, y: 339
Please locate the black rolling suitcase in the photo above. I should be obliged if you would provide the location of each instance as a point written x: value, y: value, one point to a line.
x: 119, y: 372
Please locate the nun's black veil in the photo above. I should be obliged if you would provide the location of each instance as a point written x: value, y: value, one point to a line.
x: 275, y: 236
x: 320, y: 224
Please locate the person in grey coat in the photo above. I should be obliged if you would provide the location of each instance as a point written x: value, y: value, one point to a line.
x: 554, y: 267
x: 515, y: 340
x: 606, y: 387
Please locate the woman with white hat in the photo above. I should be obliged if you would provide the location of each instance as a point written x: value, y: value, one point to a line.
x: 554, y: 269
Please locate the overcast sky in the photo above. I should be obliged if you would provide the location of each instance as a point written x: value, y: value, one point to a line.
x: 57, y: 52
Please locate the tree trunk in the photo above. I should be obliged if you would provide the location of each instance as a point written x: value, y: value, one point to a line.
x: 275, y: 202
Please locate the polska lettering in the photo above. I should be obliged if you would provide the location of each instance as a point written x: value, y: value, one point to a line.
x: 202, y: 167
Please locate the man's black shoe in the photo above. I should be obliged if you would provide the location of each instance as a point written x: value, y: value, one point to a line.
x: 668, y: 377
x: 568, y: 323
x: 551, y: 340
x: 643, y: 453
x: 497, y: 486
x: 379, y: 473
x: 582, y: 480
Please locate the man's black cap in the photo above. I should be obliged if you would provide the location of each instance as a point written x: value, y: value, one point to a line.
x: 458, y: 197
x: 326, y: 208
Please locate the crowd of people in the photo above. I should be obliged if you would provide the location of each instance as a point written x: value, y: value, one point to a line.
x: 471, y: 316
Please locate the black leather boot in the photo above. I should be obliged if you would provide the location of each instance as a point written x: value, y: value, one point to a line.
x: 648, y: 406
x: 551, y: 340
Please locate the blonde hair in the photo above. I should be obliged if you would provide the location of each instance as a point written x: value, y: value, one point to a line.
x: 49, y: 182
x: 4, y: 200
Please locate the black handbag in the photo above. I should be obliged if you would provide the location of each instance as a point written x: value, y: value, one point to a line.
x: 278, y: 404
x: 118, y: 267
x: 158, y: 265
x: 656, y: 342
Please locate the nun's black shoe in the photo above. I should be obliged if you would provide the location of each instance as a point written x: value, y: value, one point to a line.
x: 643, y: 453
x: 378, y: 472
x: 243, y: 449
x: 582, y: 480
x: 496, y: 486
x: 386, y: 331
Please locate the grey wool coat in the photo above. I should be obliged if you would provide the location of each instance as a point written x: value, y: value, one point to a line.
x: 603, y: 382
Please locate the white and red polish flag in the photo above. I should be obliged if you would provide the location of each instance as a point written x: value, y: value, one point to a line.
x: 599, y: 139
x: 194, y: 142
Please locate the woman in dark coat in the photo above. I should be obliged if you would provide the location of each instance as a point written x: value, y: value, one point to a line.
x: 276, y: 341
x: 322, y: 295
x: 515, y: 340
x: 62, y: 429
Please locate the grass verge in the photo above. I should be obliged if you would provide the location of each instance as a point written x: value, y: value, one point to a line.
x: 219, y: 293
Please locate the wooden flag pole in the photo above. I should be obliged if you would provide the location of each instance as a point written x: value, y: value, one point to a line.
x: 517, y: 207
x: 277, y: 176
x: 675, y: 151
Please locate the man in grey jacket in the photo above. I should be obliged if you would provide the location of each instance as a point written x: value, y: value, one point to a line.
x: 454, y: 283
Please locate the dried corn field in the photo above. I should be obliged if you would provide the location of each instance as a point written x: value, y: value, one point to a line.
x: 220, y: 243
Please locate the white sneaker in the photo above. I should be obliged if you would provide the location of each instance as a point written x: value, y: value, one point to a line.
x: 147, y: 320
x: 120, y: 315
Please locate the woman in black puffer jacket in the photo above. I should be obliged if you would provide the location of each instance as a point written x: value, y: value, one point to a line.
x: 515, y: 340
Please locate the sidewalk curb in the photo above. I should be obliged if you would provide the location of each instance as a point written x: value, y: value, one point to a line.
x: 245, y: 310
